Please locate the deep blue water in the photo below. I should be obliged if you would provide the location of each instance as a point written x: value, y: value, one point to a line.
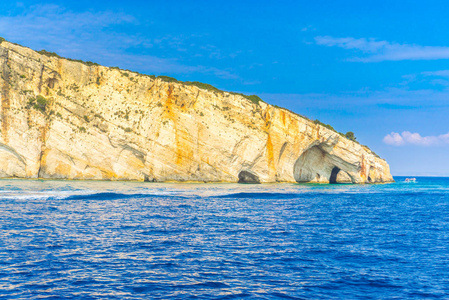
x: 116, y: 240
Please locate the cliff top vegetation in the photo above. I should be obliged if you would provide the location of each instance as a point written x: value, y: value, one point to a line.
x: 253, y: 98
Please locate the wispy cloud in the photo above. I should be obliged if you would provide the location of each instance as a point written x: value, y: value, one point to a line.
x: 439, y: 73
x: 434, y: 78
x: 365, y: 100
x: 97, y: 36
x: 376, y: 51
x: 409, y: 138
x: 308, y: 28
x: 59, y: 26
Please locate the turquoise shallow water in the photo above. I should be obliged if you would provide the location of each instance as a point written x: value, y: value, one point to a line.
x: 127, y: 240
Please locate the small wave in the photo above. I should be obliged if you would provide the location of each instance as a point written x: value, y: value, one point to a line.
x: 102, y: 196
x: 262, y: 195
x: 236, y: 296
x: 113, y: 196
x: 268, y: 195
x: 92, y: 195
x: 207, y: 284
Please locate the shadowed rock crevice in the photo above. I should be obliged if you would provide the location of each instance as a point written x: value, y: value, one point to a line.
x: 247, y: 177
x: 334, y: 173
x: 5, y: 94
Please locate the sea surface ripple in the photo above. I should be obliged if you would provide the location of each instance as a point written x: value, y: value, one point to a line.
x: 129, y: 240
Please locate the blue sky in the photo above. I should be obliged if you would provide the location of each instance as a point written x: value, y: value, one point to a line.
x: 377, y: 68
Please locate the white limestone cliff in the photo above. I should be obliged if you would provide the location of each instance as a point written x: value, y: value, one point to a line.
x: 94, y: 122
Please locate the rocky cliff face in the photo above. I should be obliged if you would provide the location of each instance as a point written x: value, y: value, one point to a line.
x: 66, y: 119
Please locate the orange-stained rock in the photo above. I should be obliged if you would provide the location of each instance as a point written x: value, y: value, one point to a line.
x: 105, y: 123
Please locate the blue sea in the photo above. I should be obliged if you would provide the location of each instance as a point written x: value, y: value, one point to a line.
x: 130, y: 240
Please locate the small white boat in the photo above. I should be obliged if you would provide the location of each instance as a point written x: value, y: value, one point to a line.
x: 413, y: 179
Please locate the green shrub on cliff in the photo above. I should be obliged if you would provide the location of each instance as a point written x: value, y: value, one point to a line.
x: 167, y: 78
x: 2, y: 40
x: 49, y: 54
x: 53, y: 54
x: 327, y: 126
x: 40, y: 103
x: 350, y: 136
x: 203, y: 86
x: 324, y: 125
x: 253, y: 98
x: 89, y: 63
x: 283, y: 108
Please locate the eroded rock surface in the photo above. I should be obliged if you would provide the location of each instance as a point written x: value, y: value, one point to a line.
x: 110, y: 124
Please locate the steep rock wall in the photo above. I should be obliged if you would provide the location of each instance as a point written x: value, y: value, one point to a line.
x: 111, y: 124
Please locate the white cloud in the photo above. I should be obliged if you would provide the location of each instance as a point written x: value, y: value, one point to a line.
x: 409, y: 138
x: 54, y: 22
x: 434, y: 78
x: 308, y: 28
x: 439, y: 73
x: 97, y: 36
x: 365, y: 100
x: 376, y: 51
x: 440, y: 77
x: 394, y: 138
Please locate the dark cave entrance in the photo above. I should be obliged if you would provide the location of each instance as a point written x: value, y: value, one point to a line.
x: 247, y: 177
x: 334, y: 173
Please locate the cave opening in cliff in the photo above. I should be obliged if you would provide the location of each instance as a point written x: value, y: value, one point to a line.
x: 334, y: 174
x: 310, y: 165
x: 248, y: 177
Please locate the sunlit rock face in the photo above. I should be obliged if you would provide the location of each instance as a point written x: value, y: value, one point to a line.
x: 94, y: 122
